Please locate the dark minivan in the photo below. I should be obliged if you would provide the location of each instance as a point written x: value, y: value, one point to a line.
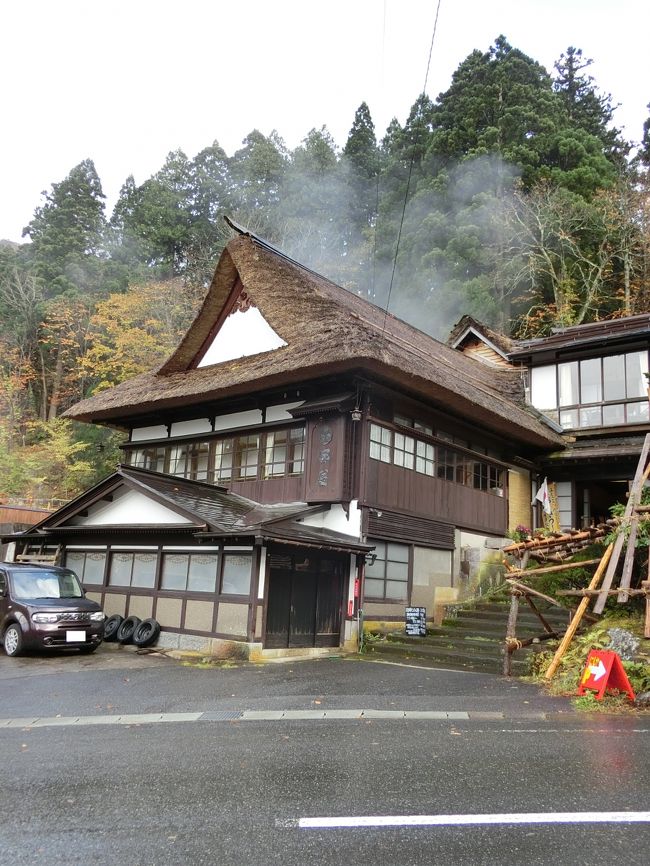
x: 45, y: 607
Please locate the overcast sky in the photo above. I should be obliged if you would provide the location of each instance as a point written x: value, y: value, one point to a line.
x: 126, y: 81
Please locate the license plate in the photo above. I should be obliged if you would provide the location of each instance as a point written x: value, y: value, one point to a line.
x: 75, y: 636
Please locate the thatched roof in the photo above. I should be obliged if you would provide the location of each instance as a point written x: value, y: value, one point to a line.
x: 328, y: 330
x: 468, y: 326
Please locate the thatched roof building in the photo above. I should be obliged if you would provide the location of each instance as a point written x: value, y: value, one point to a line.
x: 327, y: 330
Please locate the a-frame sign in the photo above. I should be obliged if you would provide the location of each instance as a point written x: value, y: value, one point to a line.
x: 604, y: 672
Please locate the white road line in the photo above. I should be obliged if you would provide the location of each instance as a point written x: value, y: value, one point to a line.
x: 350, y: 821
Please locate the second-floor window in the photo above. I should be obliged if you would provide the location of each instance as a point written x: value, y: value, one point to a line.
x: 450, y: 464
x: 594, y: 392
x: 247, y: 457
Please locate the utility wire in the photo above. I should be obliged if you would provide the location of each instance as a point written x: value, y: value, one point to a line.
x: 416, y: 141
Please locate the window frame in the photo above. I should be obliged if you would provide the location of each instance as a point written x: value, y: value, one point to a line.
x: 447, y: 461
x: 111, y: 553
x: 87, y: 552
x: 226, y: 459
x: 380, y: 542
x: 585, y: 411
x: 188, y: 554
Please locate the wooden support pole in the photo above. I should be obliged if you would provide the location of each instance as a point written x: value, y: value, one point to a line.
x: 539, y: 615
x: 626, y: 576
x: 592, y: 592
x: 633, y: 500
x: 549, y: 635
x: 511, y: 631
x: 527, y: 589
x: 645, y: 584
x: 575, y: 622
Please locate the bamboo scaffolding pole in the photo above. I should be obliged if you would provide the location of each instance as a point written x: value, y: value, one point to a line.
x: 527, y: 589
x: 511, y: 640
x: 637, y: 485
x: 540, y: 616
x: 626, y: 576
x: 580, y: 612
x: 535, y: 544
x: 592, y: 592
x: 533, y: 572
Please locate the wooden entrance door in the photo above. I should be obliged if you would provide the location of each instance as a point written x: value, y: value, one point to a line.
x: 305, y: 601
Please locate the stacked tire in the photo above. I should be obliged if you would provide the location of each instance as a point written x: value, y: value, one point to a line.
x: 131, y: 630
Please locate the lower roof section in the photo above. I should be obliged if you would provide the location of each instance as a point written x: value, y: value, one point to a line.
x: 132, y: 501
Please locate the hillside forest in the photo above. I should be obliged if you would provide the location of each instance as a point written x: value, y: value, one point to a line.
x: 511, y: 197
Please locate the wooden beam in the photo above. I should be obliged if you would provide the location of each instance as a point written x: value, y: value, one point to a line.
x: 582, y: 607
x: 626, y: 576
x: 592, y: 592
x: 510, y: 632
x: 620, y: 540
x: 527, y: 589
x: 539, y: 614
x: 533, y: 572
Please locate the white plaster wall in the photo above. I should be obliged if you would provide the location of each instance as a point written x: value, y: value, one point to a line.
x: 336, y: 520
x: 262, y: 580
x: 281, y: 412
x: 140, y: 434
x: 86, y: 547
x: 189, y: 428
x: 242, y: 334
x: 238, y: 419
x: 132, y: 507
x: 188, y: 548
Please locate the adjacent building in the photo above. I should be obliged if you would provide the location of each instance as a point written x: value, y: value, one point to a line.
x: 592, y: 381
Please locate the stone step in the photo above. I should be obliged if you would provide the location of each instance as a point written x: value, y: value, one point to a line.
x: 525, y: 614
x: 466, y: 643
x: 449, y: 657
x: 498, y: 627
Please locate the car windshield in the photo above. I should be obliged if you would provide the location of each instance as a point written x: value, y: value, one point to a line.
x: 46, y: 584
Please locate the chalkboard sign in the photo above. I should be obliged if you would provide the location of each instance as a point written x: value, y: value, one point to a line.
x: 416, y: 621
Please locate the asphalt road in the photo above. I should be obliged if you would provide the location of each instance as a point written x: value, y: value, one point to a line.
x: 236, y: 792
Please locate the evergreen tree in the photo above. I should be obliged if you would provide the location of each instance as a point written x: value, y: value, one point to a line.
x: 157, y: 216
x: 644, y: 150
x: 586, y: 108
x: 502, y: 102
x: 313, y: 209
x: 211, y: 196
x: 257, y: 171
x: 361, y: 147
x: 67, y: 233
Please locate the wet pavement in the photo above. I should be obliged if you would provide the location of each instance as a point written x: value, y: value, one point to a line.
x: 142, y: 759
x: 121, y: 681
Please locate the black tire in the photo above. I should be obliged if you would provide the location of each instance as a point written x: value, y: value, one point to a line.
x: 146, y: 633
x: 13, y: 640
x: 127, y: 628
x: 111, y: 626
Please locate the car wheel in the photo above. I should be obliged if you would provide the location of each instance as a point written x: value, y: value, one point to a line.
x: 146, y: 633
x: 111, y: 626
x: 13, y: 640
x: 126, y: 629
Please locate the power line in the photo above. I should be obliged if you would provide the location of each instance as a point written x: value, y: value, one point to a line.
x: 416, y: 141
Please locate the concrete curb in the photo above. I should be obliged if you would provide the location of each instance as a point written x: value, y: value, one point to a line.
x: 328, y: 715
